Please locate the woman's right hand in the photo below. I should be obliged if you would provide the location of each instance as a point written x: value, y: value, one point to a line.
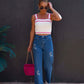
x: 29, y: 48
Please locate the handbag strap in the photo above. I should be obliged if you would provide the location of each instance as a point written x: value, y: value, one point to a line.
x: 31, y: 56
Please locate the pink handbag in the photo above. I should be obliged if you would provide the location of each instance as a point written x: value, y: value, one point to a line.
x: 29, y: 68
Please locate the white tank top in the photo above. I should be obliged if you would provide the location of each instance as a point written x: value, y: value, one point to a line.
x: 43, y: 26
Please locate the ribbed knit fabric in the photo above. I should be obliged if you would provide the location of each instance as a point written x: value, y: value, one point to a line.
x: 43, y: 26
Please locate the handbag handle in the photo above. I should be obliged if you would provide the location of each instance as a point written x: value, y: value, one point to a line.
x: 27, y: 57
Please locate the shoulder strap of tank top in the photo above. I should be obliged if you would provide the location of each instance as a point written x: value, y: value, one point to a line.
x: 49, y: 15
x: 36, y: 16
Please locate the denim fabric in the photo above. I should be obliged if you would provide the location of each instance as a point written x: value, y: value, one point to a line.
x: 43, y: 53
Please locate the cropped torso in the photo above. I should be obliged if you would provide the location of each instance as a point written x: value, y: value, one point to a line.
x: 43, y: 26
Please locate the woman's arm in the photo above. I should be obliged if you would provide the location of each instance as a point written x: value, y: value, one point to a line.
x: 55, y: 15
x: 32, y: 32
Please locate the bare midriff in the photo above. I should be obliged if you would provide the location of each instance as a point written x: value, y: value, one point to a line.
x: 43, y: 34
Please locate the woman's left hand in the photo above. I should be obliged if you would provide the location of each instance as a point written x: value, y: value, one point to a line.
x: 50, y: 5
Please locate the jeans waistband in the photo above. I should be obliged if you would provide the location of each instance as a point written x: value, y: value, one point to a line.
x: 42, y: 36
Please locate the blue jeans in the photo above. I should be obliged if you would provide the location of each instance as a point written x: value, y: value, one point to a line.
x: 43, y: 53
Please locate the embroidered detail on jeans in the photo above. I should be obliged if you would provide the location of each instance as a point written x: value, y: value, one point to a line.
x: 50, y: 53
x: 38, y: 72
x: 34, y: 45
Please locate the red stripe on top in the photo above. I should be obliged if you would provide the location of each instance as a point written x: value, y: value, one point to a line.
x: 43, y: 32
x: 42, y: 21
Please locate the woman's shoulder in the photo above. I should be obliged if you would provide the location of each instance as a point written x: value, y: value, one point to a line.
x: 50, y: 14
x: 33, y: 17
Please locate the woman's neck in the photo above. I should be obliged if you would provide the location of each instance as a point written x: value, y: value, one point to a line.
x: 42, y: 13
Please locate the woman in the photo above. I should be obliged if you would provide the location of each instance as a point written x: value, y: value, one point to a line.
x: 41, y: 40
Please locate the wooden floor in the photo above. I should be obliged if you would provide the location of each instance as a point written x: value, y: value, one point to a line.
x: 33, y: 83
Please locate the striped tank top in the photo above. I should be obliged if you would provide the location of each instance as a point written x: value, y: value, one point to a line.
x: 43, y: 26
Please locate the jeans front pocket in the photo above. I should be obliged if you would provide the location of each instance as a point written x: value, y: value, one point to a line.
x: 49, y: 38
x: 35, y: 39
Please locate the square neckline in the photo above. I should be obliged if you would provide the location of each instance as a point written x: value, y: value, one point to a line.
x: 43, y: 19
